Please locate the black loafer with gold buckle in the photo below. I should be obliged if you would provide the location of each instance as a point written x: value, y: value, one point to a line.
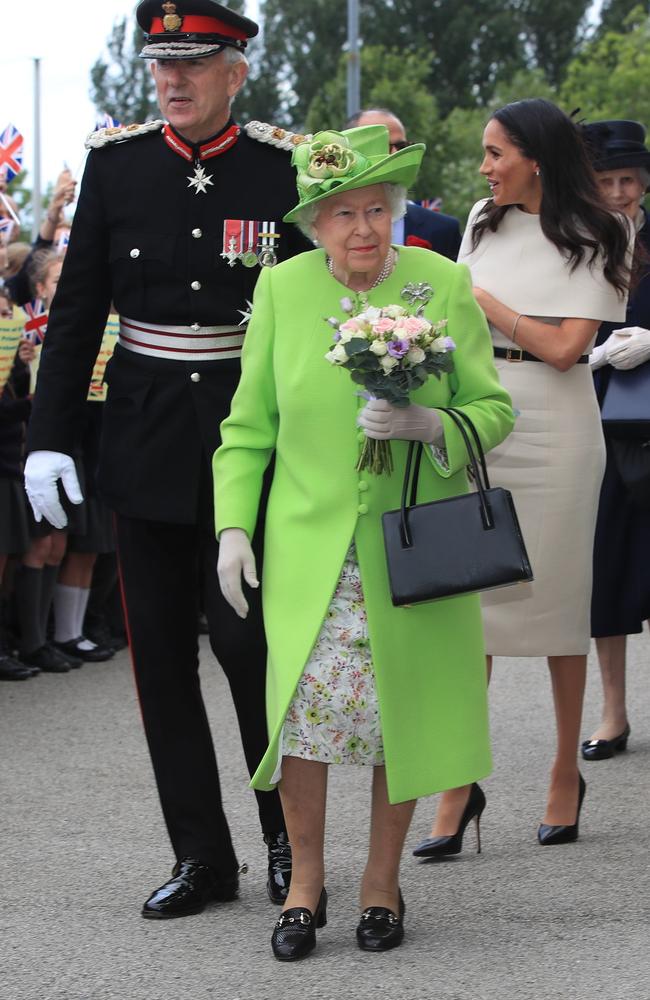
x: 380, y: 929
x: 294, y: 934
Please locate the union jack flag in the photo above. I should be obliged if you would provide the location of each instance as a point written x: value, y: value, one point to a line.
x: 36, y: 325
x: 435, y: 204
x: 5, y: 229
x: 105, y: 121
x: 11, y: 153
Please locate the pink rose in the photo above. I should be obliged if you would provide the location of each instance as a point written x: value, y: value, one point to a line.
x: 384, y: 325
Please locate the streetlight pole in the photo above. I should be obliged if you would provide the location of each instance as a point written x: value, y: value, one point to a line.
x: 36, y: 188
x: 354, y: 66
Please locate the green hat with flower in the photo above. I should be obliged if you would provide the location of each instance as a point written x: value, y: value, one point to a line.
x: 333, y: 162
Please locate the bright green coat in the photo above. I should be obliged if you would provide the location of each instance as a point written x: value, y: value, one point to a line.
x: 429, y: 659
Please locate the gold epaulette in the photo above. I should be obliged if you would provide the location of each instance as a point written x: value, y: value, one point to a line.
x: 274, y: 136
x: 106, y: 136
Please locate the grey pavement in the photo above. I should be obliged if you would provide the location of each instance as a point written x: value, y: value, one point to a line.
x: 83, y: 844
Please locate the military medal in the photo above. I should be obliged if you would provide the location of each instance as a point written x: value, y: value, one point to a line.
x: 240, y: 241
x: 267, y: 255
x: 201, y: 180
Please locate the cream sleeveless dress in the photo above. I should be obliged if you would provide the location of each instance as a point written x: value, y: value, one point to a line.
x: 554, y: 459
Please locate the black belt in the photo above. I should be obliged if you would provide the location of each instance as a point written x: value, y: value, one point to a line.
x: 516, y: 354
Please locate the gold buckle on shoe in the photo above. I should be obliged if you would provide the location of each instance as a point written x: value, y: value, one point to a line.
x: 511, y: 352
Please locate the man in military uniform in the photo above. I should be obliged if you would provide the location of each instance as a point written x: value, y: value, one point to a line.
x: 173, y: 222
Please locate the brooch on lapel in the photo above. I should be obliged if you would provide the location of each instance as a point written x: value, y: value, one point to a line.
x: 417, y: 294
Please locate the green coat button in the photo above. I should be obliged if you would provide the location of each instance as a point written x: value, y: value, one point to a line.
x: 362, y: 486
x: 361, y: 436
x: 363, y: 508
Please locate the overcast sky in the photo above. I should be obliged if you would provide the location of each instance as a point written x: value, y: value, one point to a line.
x: 67, y: 36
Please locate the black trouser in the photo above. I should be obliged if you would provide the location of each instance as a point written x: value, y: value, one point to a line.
x: 162, y: 566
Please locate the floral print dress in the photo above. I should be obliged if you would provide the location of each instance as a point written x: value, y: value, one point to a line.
x: 334, y: 715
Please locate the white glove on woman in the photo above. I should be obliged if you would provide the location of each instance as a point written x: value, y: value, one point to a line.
x: 236, y: 558
x: 628, y: 347
x: 42, y: 470
x: 383, y: 422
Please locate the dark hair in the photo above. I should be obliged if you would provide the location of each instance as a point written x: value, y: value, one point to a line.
x: 572, y: 213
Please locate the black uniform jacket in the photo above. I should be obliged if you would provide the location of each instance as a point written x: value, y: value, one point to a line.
x: 442, y: 232
x: 141, y: 237
x: 638, y: 309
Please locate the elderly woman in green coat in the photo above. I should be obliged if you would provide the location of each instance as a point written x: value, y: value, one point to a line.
x: 351, y: 678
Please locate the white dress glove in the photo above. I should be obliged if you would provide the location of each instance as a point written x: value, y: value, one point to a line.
x: 236, y: 558
x: 42, y: 471
x: 598, y: 357
x: 628, y: 347
x: 383, y: 422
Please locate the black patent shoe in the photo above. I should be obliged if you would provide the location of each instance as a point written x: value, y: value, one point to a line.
x: 438, y: 847
x: 604, y: 749
x: 45, y: 659
x: 277, y: 884
x: 549, y: 835
x: 190, y: 888
x: 294, y: 934
x: 73, y: 648
x: 380, y: 929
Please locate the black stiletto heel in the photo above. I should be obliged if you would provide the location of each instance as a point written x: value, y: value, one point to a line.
x: 549, y: 835
x: 437, y: 847
x: 294, y: 934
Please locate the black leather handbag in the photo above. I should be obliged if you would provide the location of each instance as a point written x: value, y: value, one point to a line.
x: 459, y: 545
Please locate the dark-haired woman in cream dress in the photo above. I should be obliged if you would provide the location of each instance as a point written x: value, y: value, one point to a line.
x: 549, y: 263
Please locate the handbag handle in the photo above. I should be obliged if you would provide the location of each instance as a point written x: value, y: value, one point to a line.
x: 479, y: 472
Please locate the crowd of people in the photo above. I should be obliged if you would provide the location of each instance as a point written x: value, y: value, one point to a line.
x: 228, y: 469
x: 57, y: 612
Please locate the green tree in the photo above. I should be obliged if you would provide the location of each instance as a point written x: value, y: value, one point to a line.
x: 121, y: 84
x: 614, y: 12
x: 611, y: 76
x: 474, y: 44
x: 389, y: 78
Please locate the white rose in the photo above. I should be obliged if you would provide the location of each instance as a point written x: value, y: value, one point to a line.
x: 415, y: 356
x: 394, y: 312
x: 371, y: 314
x: 337, y: 355
x: 378, y: 347
x: 438, y: 346
x: 388, y: 363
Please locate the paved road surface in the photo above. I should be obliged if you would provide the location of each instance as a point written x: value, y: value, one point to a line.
x: 83, y: 845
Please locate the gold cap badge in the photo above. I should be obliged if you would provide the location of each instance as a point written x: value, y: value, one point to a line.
x: 171, y: 21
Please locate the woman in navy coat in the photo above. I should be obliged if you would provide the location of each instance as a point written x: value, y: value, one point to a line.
x: 621, y: 585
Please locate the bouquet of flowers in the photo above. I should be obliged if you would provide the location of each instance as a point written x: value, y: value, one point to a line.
x: 389, y: 351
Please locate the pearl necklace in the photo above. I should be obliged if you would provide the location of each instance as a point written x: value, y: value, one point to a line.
x: 387, y: 268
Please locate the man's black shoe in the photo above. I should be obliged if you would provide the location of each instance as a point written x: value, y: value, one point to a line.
x: 13, y: 670
x: 190, y: 888
x: 277, y: 884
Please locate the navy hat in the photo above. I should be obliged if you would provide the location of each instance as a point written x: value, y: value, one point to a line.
x: 191, y: 29
x: 616, y: 144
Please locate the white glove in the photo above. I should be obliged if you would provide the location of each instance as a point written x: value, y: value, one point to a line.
x: 628, y: 347
x: 42, y: 470
x: 383, y: 421
x: 236, y: 558
x: 598, y: 357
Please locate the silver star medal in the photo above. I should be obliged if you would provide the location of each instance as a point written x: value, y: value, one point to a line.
x: 200, y: 181
x: 246, y: 313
